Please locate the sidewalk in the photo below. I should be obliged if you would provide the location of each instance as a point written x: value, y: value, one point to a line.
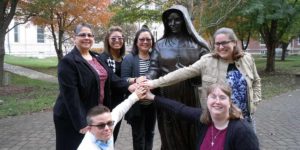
x: 277, y: 119
x: 29, y: 73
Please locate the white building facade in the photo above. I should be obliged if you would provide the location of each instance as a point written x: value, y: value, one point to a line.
x: 29, y: 40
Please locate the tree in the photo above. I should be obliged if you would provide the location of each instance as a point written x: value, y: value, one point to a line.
x: 273, y: 18
x: 10, y: 9
x: 132, y: 11
x: 210, y: 15
x: 60, y: 17
x: 291, y: 33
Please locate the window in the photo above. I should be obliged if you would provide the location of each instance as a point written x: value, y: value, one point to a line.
x: 16, y: 32
x: 40, y: 35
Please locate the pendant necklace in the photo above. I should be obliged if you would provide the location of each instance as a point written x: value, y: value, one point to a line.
x: 213, y: 138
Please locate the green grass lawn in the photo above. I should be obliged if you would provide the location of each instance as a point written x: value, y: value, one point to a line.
x: 282, y: 80
x: 290, y: 65
x: 46, y: 65
x: 27, y: 96
x: 42, y: 95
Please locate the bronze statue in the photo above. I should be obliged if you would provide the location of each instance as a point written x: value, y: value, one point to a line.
x: 180, y: 46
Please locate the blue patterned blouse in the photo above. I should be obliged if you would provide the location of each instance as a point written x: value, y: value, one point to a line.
x: 239, y: 88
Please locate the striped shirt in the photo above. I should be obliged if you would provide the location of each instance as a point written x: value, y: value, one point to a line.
x: 144, y: 67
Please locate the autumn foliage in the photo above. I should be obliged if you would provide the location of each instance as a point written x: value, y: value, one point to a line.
x: 60, y: 16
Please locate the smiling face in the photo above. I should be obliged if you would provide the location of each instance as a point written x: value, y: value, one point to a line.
x: 224, y: 46
x: 84, y: 39
x: 175, y: 22
x: 218, y: 104
x: 116, y: 40
x: 105, y: 133
x: 144, y: 42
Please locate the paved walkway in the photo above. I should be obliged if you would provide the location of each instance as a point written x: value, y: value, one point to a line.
x: 278, y: 128
x: 29, y: 73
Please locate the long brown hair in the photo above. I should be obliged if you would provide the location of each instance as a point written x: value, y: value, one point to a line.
x: 234, y: 111
x: 106, y: 40
x: 237, y: 51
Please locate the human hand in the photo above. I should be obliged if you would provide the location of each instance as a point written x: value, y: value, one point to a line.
x: 141, y: 92
x: 132, y: 87
x: 84, y: 130
x: 147, y: 83
x: 149, y: 95
x: 141, y: 79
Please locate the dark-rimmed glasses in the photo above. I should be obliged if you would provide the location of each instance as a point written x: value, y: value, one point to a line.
x: 114, y: 39
x: 103, y: 125
x: 83, y: 35
x: 223, y: 43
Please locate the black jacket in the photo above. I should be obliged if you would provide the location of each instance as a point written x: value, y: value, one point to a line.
x: 117, y: 96
x: 79, y: 88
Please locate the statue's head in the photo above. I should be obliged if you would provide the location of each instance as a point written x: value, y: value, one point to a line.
x: 174, y: 22
x: 177, y: 20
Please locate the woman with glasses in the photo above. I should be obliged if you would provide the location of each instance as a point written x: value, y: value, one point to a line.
x: 226, y: 64
x: 142, y: 115
x: 114, y: 50
x: 84, y: 82
x: 219, y: 124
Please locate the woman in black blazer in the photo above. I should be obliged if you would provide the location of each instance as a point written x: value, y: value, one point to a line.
x: 84, y: 82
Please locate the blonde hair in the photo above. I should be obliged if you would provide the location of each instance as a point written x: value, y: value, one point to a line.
x: 234, y: 111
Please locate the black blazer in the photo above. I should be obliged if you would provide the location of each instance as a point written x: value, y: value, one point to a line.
x: 79, y: 88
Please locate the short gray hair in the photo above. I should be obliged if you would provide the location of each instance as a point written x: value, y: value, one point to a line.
x: 80, y: 26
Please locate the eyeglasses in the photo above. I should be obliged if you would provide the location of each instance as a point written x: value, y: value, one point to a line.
x: 215, y: 97
x: 83, y: 35
x: 114, y: 39
x: 217, y: 44
x: 145, y: 39
x: 103, y: 125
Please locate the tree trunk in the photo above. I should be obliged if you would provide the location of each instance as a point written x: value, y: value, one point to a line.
x: 60, y: 54
x: 284, y: 50
x: 58, y: 51
x: 2, y: 53
x: 270, y: 65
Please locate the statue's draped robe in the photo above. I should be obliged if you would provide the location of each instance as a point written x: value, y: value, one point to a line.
x: 169, y: 55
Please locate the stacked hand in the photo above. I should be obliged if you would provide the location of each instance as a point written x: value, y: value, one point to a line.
x: 142, y: 88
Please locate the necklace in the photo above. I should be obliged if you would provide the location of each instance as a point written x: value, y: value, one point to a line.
x: 213, y: 138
